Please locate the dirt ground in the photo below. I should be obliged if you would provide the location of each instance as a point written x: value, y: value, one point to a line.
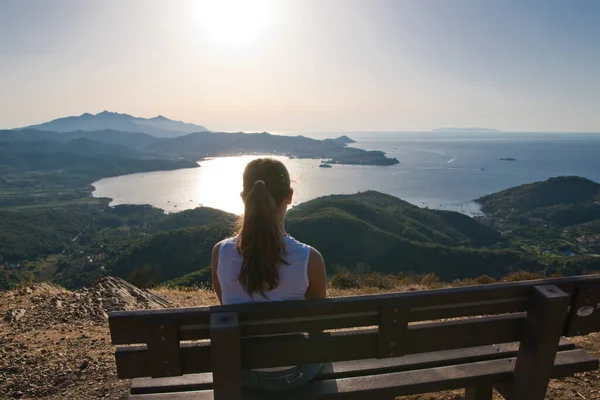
x: 55, y: 344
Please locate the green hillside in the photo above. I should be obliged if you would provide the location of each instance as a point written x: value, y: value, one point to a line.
x: 378, y: 211
x: 368, y: 230
x: 169, y: 255
x: 559, y: 216
x: 74, y: 246
x: 559, y: 191
x: 48, y: 173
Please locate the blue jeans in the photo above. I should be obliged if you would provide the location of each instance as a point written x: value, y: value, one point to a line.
x: 277, y: 381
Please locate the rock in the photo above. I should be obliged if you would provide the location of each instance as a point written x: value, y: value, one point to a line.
x: 13, y: 316
x: 84, y: 365
x: 25, y: 290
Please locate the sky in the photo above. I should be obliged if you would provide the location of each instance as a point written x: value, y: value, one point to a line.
x: 306, y: 65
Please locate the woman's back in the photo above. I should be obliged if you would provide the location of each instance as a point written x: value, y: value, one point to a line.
x: 293, y: 276
x: 263, y: 263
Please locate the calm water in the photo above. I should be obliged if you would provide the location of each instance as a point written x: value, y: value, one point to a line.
x: 437, y: 170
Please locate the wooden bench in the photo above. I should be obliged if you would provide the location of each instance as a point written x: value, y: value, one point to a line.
x: 505, y: 336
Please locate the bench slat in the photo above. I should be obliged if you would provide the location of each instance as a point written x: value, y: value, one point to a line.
x: 337, y: 346
x: 409, y: 382
x: 337, y: 370
x: 128, y: 327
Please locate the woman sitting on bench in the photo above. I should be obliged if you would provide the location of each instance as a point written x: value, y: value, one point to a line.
x: 264, y: 263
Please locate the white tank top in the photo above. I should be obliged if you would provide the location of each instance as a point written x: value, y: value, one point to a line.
x: 293, y: 277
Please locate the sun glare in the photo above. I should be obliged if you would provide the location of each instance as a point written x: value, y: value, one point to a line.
x: 230, y: 170
x: 233, y: 23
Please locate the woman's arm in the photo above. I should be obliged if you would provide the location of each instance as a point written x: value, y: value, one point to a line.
x: 213, y: 267
x: 317, y: 278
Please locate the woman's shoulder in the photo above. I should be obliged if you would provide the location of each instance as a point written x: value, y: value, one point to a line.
x: 291, y: 241
x: 228, y: 240
x: 308, y: 249
x: 223, y: 243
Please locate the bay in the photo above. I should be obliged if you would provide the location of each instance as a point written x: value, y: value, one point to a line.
x: 436, y: 170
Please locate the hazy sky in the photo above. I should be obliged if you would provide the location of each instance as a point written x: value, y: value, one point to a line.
x: 307, y: 65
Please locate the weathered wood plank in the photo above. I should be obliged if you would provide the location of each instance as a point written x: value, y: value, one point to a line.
x: 404, y: 383
x: 347, y: 369
x: 584, y: 315
x: 133, y: 362
x: 163, y: 348
x: 275, y: 351
x: 391, y: 332
x: 278, y: 317
x: 184, y: 383
x: 226, y: 356
x: 545, y: 324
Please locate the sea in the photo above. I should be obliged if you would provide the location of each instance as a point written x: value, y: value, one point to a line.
x: 437, y: 170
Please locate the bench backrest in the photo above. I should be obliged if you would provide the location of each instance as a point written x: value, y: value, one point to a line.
x: 266, y: 334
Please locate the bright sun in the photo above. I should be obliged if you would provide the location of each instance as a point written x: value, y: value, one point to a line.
x: 233, y: 23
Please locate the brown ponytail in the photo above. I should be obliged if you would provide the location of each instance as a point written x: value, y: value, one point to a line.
x: 260, y: 239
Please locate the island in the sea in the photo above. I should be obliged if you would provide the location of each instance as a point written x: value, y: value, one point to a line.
x: 466, y: 130
x: 508, y: 159
x: 325, y: 165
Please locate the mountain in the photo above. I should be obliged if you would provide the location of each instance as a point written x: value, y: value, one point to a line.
x: 203, y: 144
x: 165, y: 123
x: 134, y: 140
x: 556, y: 217
x: 465, y: 130
x: 559, y: 191
x: 140, y: 134
x: 343, y: 140
x: 159, y: 126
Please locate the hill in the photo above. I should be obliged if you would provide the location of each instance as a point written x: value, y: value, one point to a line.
x: 366, y: 231
x: 158, y: 126
x: 45, y: 168
x: 211, y: 144
x: 391, y: 214
x: 559, y: 216
x: 559, y: 191
x: 46, y: 172
x: 134, y: 140
x: 204, y: 144
x: 76, y: 246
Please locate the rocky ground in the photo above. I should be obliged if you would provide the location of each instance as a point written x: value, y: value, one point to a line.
x: 55, y: 344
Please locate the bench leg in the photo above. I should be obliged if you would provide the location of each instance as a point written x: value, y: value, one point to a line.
x: 535, y: 359
x: 226, y: 356
x: 481, y: 392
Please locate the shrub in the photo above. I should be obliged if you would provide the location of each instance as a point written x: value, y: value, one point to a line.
x: 430, y: 280
x: 378, y: 281
x: 522, y: 276
x: 344, y: 280
x: 484, y: 280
